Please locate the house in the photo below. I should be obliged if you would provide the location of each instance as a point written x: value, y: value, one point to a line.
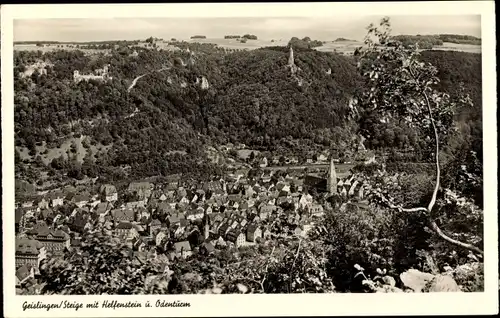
x: 54, y: 241
x: 223, y: 229
x: 19, y: 219
x: 139, y: 244
x: 181, y: 193
x: 29, y: 252
x: 164, y: 208
x: 123, y: 215
x: 78, y: 222
x: 81, y: 199
x: 41, y: 203
x: 183, y: 249
x: 207, y: 248
x: 343, y: 193
x: 236, y: 237
x: 253, y: 232
x: 298, y: 231
x: 126, y: 231
x: 263, y: 162
x: 75, y: 242
x: 160, y: 238
x: 243, y: 222
x: 353, y: 188
x: 108, y: 193
x: 154, y: 226
x: 56, y: 198
x: 305, y: 201
x: 322, y: 158
x: 316, y: 210
x: 173, y: 220
x: 27, y: 204
x: 212, y: 186
x: 163, y: 197
x: 24, y: 273
x: 282, y: 200
x: 266, y: 233
x: 135, y: 204
x: 103, y: 207
x: 141, y: 189
x: 266, y: 176
x: 142, y: 213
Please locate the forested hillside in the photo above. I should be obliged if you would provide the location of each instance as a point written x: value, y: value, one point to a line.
x: 252, y: 97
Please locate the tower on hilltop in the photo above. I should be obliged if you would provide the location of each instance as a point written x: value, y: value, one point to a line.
x: 332, y: 178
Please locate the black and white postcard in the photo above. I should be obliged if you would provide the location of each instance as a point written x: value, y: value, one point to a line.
x: 256, y: 159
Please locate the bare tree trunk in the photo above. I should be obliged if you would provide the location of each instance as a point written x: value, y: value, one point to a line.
x: 433, y: 223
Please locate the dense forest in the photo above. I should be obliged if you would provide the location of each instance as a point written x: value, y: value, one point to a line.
x: 160, y: 125
x: 430, y: 41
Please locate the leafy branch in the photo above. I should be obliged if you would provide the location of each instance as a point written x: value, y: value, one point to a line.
x: 400, y: 86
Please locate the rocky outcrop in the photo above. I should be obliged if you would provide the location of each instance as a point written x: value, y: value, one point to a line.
x: 415, y: 279
x: 442, y: 283
x: 425, y: 282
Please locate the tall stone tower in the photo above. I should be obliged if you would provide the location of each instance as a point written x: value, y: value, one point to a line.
x: 332, y: 178
x: 291, y: 61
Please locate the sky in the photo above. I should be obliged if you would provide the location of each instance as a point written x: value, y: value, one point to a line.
x: 266, y: 28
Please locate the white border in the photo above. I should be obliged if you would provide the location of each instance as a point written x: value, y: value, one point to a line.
x: 269, y: 305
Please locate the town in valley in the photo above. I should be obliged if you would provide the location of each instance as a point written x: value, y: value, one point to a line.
x: 242, y: 164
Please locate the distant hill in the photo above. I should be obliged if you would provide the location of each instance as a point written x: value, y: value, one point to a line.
x: 343, y: 40
x: 163, y: 123
x: 430, y: 41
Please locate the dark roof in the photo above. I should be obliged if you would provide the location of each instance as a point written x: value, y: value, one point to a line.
x: 27, y: 246
x: 155, y: 222
x: 173, y: 219
x: 102, y: 207
x: 252, y: 228
x: 123, y: 213
x: 139, y: 186
x: 124, y: 226
x: 19, y: 213
x: 208, y: 247
x: 232, y: 235
x: 316, y: 182
x: 55, y: 195
x: 81, y: 197
x: 108, y: 189
x: 23, y: 272
x: 75, y: 242
x: 182, y: 246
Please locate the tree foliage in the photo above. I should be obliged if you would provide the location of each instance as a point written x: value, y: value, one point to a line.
x: 401, y: 87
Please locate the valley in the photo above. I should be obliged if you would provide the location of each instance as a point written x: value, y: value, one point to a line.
x: 243, y: 165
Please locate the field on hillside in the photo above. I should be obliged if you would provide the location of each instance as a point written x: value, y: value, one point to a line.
x: 236, y: 44
x: 52, y: 153
x: 345, y: 47
x: 469, y: 48
x: 32, y: 47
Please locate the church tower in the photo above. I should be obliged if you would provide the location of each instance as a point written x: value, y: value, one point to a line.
x: 332, y: 178
x: 206, y: 225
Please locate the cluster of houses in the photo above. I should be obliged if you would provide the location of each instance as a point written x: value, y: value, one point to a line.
x: 171, y: 218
